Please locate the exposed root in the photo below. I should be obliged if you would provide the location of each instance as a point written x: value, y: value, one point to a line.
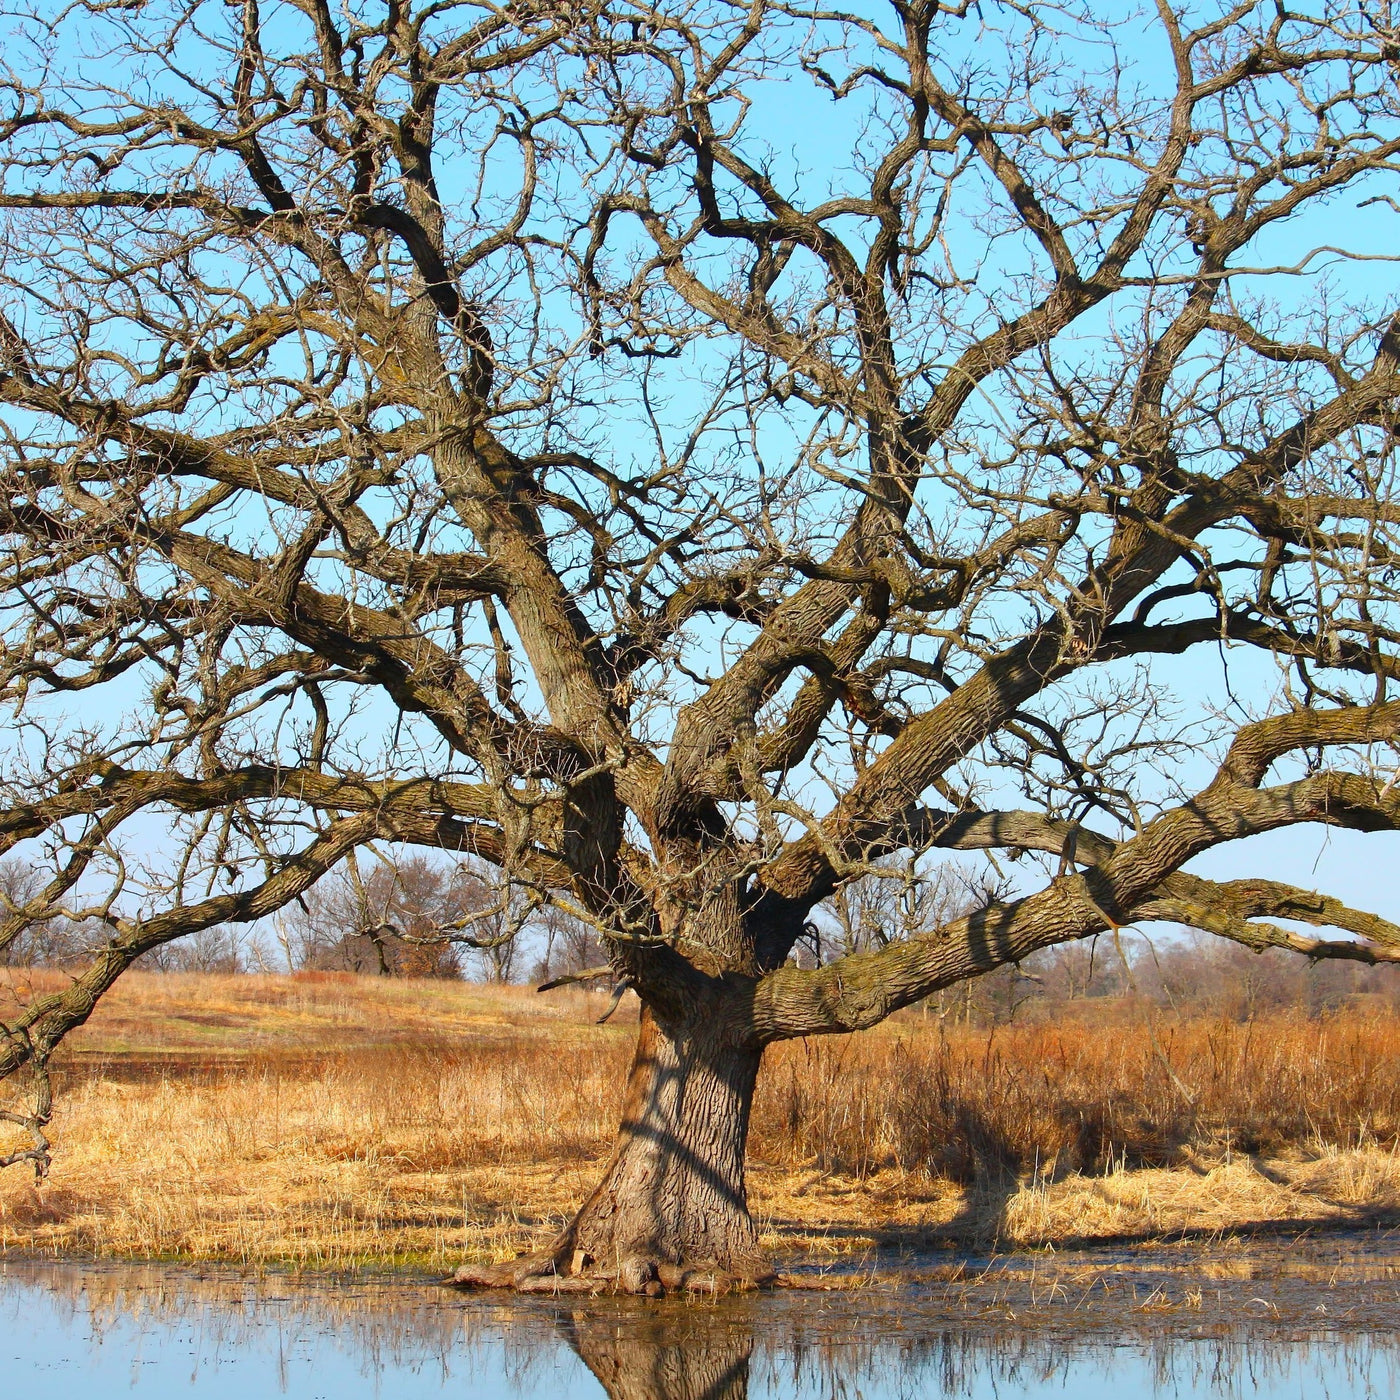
x: 640, y: 1276
x: 526, y: 1273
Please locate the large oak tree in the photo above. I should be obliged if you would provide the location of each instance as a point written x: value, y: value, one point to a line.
x: 695, y: 456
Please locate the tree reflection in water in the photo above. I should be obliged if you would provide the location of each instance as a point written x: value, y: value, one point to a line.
x: 664, y: 1358
x: 714, y: 1359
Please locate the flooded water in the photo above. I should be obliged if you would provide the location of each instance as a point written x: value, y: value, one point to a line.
x: 1304, y: 1319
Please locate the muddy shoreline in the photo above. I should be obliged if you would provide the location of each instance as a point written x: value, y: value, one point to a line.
x: 1323, y: 1282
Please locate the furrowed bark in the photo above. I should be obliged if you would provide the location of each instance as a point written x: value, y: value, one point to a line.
x: 673, y: 1194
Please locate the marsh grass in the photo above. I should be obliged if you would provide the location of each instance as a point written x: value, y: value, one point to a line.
x: 326, y: 1122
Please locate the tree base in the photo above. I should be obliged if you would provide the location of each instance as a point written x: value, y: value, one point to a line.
x: 638, y: 1276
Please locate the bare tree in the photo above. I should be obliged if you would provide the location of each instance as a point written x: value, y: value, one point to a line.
x: 402, y: 917
x: 19, y: 884
x: 218, y: 949
x: 50, y: 940
x: 571, y: 945
x: 682, y: 455
x: 896, y: 899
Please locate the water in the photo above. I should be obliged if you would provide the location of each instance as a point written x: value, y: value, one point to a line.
x: 1309, y: 1319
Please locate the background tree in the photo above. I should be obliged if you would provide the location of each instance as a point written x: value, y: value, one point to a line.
x: 570, y: 945
x: 412, y: 917
x: 683, y: 455
x: 222, y: 949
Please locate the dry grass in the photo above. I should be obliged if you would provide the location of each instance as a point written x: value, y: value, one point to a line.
x: 326, y: 1123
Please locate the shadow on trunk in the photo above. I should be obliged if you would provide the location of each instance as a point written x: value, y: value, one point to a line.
x: 673, y: 1192
x: 670, y: 1213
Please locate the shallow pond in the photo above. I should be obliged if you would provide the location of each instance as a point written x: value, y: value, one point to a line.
x: 1302, y: 1319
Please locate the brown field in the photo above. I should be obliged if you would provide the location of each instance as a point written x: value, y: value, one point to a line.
x: 324, y: 1122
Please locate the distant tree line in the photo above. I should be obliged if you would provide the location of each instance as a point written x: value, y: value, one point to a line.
x: 417, y: 917
x: 1179, y: 972
x: 409, y: 917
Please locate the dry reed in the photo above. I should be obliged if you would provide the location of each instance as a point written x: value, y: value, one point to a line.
x: 1067, y: 1097
x: 326, y: 1123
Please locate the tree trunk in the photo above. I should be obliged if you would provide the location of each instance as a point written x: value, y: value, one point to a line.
x: 672, y: 1206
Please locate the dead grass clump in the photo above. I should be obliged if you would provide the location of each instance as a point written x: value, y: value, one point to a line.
x: 370, y: 1160
x: 447, y: 1107
x: 1355, y: 1187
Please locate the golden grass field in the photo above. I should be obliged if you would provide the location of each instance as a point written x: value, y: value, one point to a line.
x: 325, y: 1122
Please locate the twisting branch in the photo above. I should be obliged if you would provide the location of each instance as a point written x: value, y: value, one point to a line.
x: 33, y: 1121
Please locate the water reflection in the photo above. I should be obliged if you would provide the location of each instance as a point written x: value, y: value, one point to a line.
x: 1313, y: 1320
x: 664, y: 1357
